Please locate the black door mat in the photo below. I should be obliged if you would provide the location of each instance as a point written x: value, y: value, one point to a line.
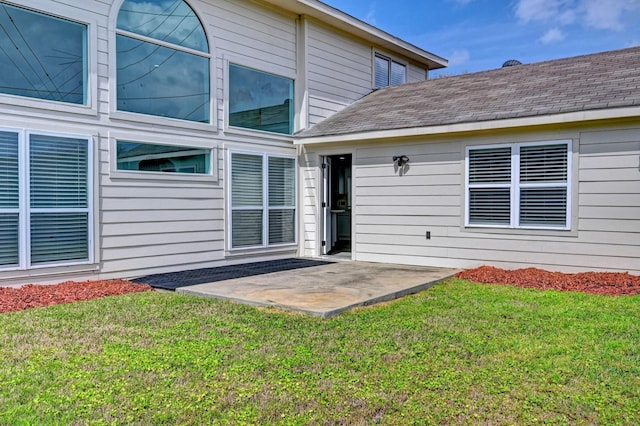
x: 174, y: 280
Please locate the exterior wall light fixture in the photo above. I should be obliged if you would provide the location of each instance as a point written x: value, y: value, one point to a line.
x: 401, y: 160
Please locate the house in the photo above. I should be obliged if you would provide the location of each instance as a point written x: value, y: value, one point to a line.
x: 527, y: 165
x: 143, y: 136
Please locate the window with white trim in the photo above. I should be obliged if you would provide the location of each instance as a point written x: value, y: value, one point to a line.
x: 45, y: 192
x: 388, y: 72
x: 263, y: 201
x: 42, y: 56
x: 147, y: 157
x: 523, y: 185
x: 163, y: 61
x: 260, y: 100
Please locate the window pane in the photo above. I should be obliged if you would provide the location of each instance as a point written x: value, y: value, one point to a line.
x: 543, y: 206
x: 398, y: 74
x: 246, y: 228
x: 167, y: 20
x: 160, y: 81
x: 9, y: 241
x: 492, y: 165
x: 8, y: 170
x: 162, y: 158
x: 42, y: 57
x: 491, y: 206
x: 282, y: 181
x: 246, y: 180
x: 59, y: 236
x: 260, y: 101
x: 381, y: 71
x: 281, y: 226
x: 58, y: 171
x: 547, y: 163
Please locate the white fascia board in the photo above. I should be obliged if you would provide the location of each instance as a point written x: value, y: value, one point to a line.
x: 352, y: 25
x: 511, y: 123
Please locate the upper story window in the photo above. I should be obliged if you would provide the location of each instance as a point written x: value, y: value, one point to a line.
x: 42, y: 56
x: 389, y: 72
x: 260, y: 101
x: 163, y: 60
x: 519, y: 185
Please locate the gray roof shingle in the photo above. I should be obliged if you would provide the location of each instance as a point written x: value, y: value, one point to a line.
x: 590, y: 82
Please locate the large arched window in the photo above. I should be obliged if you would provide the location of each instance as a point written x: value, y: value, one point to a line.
x: 163, y: 60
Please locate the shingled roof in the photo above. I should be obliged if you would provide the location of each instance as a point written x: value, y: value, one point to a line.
x: 583, y: 83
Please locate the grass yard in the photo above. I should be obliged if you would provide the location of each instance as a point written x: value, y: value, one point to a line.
x: 458, y: 353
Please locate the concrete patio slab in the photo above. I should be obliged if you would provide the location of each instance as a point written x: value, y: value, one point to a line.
x: 325, y: 290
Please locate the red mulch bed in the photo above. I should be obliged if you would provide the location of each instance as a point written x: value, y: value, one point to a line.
x: 607, y: 283
x: 32, y: 295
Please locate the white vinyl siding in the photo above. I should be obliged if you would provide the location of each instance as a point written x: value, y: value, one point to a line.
x: 263, y: 200
x: 45, y: 208
x: 393, y: 212
x: 519, y: 185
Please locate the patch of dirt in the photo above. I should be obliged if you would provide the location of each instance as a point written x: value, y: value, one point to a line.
x: 32, y: 295
x: 606, y: 283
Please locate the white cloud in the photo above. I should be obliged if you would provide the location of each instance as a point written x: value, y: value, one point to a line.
x: 459, y: 57
x: 537, y: 10
x: 552, y: 36
x: 599, y: 14
x: 607, y: 14
x: 371, y: 14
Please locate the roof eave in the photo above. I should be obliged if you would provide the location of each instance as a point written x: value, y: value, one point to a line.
x: 479, y: 126
x: 352, y: 25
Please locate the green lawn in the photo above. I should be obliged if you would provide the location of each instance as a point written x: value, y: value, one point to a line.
x: 458, y: 353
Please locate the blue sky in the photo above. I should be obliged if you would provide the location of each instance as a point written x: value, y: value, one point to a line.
x: 476, y: 35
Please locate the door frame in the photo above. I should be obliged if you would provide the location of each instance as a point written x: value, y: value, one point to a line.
x: 324, y: 202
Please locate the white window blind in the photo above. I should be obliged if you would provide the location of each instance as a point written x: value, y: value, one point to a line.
x: 44, y: 199
x: 381, y: 71
x: 58, y: 187
x: 388, y: 72
x: 543, y: 185
x: 263, y: 200
x: 246, y: 200
x: 282, y: 178
x: 398, y: 73
x: 519, y: 185
x: 9, y: 199
x: 489, y: 180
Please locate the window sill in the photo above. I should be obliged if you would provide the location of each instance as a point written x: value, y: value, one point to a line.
x: 135, y: 117
x: 47, y: 105
x: 49, y: 273
x: 239, y: 252
x: 239, y: 131
x: 529, y: 231
x: 160, y: 176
